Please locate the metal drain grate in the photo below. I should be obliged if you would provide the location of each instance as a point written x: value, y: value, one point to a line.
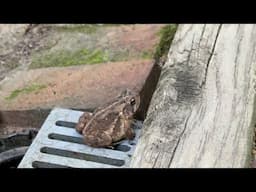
x: 58, y: 145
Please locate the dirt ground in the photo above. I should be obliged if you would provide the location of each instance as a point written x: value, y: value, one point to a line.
x: 17, y: 44
x: 129, y: 47
x: 86, y: 86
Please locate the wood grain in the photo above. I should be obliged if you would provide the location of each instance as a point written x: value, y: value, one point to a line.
x: 201, y: 114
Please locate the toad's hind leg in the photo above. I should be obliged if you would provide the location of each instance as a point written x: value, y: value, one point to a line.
x: 130, y: 134
x: 101, y: 139
x: 83, y: 120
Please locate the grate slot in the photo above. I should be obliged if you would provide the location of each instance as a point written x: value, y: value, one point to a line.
x: 66, y: 124
x: 67, y: 138
x: 123, y: 148
x: 40, y: 164
x: 83, y: 156
x: 70, y: 162
x: 79, y: 140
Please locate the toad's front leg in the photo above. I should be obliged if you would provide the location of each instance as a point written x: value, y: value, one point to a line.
x: 98, y: 139
x: 83, y: 120
x: 129, y: 134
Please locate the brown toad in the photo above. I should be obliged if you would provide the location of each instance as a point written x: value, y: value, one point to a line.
x: 111, y: 123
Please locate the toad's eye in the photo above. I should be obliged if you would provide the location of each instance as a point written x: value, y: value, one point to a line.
x: 132, y: 101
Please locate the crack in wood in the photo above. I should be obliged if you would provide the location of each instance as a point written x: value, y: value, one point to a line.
x: 190, y: 51
x: 210, y: 57
x: 177, y: 143
x: 201, y: 36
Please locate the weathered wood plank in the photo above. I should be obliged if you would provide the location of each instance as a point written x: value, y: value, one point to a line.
x: 201, y: 113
